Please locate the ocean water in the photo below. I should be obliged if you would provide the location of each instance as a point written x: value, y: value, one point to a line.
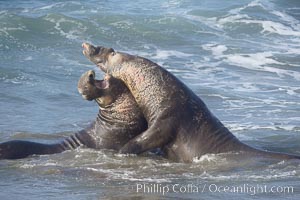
x: 241, y: 57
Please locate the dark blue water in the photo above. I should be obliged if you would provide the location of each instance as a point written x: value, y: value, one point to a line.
x: 241, y: 57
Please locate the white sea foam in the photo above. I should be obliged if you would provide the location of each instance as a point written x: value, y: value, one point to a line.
x: 153, y: 180
x: 124, y: 174
x: 234, y: 127
x: 28, y: 58
x: 48, y: 7
x: 28, y: 166
x: 6, y: 30
x: 252, y: 61
x: 210, y: 22
x: 208, y: 158
x: 123, y: 24
x: 171, y: 4
x: 255, y: 3
x: 3, y: 12
x: 165, y: 54
x: 267, y: 26
x: 217, y: 50
x: 274, y: 174
x: 67, y: 61
x: 287, y: 18
x: 291, y: 28
x: 72, y: 34
x: 57, y: 5
x: 260, y: 61
x: 275, y: 27
x: 232, y: 19
x: 268, y: 175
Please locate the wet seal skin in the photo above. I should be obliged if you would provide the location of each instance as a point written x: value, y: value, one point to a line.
x: 179, y: 122
x: 119, y: 120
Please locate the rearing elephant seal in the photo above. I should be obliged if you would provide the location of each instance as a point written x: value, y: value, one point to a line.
x: 118, y: 121
x: 179, y: 122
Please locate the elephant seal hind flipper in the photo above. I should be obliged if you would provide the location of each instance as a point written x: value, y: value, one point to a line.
x: 178, y: 120
x: 16, y: 149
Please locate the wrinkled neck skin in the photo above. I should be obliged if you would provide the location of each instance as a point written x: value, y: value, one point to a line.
x: 118, y: 113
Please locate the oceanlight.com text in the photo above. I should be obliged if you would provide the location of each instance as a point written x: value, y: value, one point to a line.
x: 251, y: 189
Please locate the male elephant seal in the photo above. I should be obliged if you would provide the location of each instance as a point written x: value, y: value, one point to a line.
x: 178, y: 120
x: 118, y: 121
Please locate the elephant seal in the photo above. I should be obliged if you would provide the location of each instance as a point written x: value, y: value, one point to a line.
x: 118, y: 121
x: 179, y: 122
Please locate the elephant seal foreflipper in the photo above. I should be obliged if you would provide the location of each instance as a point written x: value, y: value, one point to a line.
x: 179, y: 122
x: 118, y: 121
